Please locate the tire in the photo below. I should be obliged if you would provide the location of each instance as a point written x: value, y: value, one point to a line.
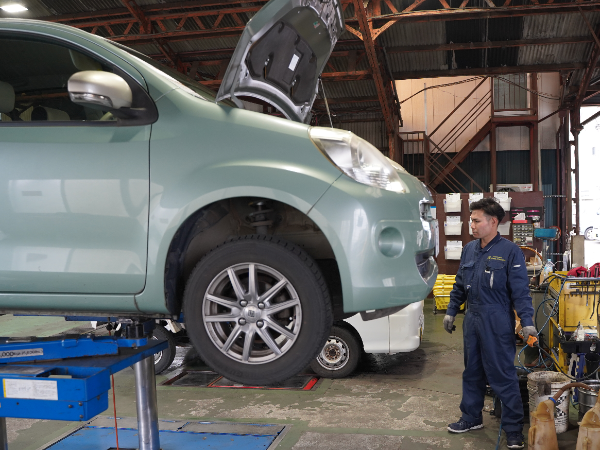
x: 587, y: 234
x: 340, y: 354
x: 241, y: 334
x: 164, y: 359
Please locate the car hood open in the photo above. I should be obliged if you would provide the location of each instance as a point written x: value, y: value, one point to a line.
x: 282, y: 53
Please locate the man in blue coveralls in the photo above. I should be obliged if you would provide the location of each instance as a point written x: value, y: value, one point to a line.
x: 492, y: 278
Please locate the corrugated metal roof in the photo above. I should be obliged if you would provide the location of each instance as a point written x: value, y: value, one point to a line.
x: 428, y: 33
x: 59, y: 7
x: 414, y: 34
x: 403, y: 62
x: 373, y: 132
x: 205, y: 44
x: 342, y: 89
x: 558, y: 25
x: 553, y: 54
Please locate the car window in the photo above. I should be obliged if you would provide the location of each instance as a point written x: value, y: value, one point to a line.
x: 33, y: 82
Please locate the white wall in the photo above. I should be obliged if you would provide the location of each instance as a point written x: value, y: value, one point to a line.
x: 441, y: 101
x: 548, y: 85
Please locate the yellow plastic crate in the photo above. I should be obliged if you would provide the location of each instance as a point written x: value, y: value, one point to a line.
x: 442, y: 301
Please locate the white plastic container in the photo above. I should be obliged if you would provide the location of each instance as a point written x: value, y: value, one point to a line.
x: 505, y: 203
x: 538, y: 384
x: 453, y: 252
x: 452, y: 203
x: 452, y: 228
x: 503, y: 199
x: 504, y: 228
x: 475, y: 196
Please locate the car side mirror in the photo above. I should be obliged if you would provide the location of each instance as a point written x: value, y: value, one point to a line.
x: 101, y: 90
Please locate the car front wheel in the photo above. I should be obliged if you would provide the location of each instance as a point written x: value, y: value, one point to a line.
x: 257, y: 309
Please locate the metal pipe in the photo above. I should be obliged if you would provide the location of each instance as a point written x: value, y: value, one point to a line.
x: 3, y: 434
x: 576, y: 198
x: 147, y: 410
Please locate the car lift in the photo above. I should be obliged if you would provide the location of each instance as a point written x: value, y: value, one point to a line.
x: 68, y: 378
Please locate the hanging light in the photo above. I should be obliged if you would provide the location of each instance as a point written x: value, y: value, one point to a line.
x: 13, y: 7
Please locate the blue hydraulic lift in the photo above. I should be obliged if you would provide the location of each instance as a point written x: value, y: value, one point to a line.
x: 68, y: 378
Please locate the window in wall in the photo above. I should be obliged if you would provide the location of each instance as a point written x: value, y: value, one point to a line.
x: 510, y: 92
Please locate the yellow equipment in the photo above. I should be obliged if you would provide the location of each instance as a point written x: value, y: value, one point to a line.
x: 577, y: 307
x: 441, y: 292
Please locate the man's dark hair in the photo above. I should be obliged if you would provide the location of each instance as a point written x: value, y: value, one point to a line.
x: 490, y: 207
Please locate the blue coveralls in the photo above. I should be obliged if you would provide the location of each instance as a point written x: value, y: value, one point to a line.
x: 493, y: 280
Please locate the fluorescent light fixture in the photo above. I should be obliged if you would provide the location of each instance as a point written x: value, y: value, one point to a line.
x: 13, y: 7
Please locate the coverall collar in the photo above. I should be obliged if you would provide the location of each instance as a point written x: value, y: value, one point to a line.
x: 489, y: 244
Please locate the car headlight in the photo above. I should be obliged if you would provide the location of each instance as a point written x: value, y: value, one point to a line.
x: 358, y: 159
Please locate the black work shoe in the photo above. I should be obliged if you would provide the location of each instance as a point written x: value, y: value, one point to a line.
x: 515, y: 439
x: 462, y: 426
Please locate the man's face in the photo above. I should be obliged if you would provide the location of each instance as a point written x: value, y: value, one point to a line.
x: 483, y: 226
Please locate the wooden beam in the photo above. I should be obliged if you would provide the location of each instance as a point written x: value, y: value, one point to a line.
x: 366, y: 31
x: 104, y: 14
x: 588, y: 120
x: 487, y: 71
x: 329, y: 76
x: 591, y: 66
x: 484, y: 13
x: 182, y: 35
x: 493, y: 158
x: 492, y: 44
x: 147, y: 28
x: 340, y: 100
x: 136, y: 11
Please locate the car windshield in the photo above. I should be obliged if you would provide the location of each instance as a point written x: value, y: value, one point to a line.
x: 198, y: 88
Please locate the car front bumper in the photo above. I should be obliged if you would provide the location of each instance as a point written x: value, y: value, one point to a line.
x: 383, y: 247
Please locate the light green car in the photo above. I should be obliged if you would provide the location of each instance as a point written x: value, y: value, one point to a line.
x: 127, y: 190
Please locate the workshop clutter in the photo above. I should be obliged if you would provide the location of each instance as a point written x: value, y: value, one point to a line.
x: 542, y: 431
x: 589, y: 428
x: 588, y: 397
x: 542, y: 386
x: 592, y: 272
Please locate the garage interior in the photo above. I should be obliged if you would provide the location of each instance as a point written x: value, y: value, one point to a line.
x: 469, y: 96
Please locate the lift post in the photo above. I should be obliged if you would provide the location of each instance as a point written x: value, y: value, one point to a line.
x: 68, y: 378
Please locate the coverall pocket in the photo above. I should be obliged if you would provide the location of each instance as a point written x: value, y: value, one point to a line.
x: 467, y: 272
x: 494, y: 274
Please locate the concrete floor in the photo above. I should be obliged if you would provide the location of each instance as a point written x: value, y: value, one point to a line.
x: 402, y: 401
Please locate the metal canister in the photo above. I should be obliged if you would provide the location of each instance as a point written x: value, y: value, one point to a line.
x: 588, y: 397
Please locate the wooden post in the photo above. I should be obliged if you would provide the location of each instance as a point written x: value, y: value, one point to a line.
x: 493, y: 159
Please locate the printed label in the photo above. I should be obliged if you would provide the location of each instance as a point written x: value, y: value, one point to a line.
x: 31, y: 389
x: 294, y: 62
x: 21, y: 353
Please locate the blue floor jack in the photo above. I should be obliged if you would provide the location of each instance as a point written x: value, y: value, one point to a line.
x: 68, y: 378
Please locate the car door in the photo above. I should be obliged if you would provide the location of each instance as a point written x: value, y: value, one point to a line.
x: 74, y: 181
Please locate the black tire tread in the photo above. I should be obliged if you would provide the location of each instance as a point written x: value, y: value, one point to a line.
x: 310, y: 264
x: 168, y: 355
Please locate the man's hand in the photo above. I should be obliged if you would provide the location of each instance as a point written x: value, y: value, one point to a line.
x: 448, y: 322
x: 527, y: 331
